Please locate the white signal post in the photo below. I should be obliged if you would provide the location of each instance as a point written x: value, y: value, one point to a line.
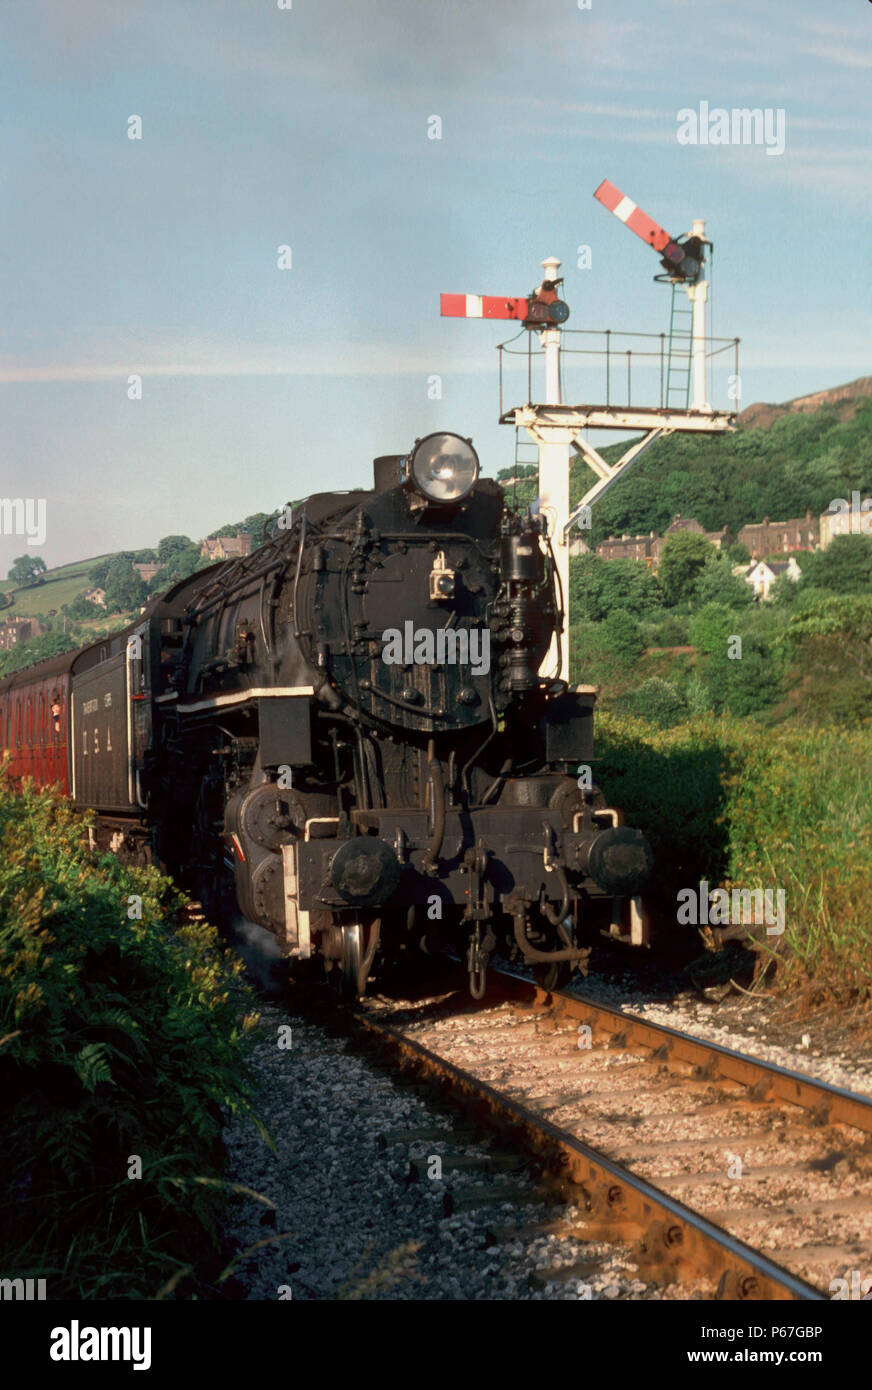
x: 698, y: 295
x: 554, y: 443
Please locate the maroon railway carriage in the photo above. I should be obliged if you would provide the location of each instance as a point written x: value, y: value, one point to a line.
x: 34, y: 718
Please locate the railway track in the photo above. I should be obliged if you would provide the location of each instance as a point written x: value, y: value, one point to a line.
x: 730, y: 1176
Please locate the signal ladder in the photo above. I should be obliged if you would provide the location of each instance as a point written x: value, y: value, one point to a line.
x: 680, y: 351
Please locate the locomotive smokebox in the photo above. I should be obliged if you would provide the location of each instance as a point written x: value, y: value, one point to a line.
x: 365, y: 871
x: 620, y: 861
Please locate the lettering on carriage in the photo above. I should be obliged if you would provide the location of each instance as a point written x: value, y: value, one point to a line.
x: 90, y: 706
x: 107, y: 699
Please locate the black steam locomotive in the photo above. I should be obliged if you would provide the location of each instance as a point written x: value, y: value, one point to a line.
x: 347, y: 732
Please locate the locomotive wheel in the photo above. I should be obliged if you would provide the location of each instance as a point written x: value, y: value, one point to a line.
x: 343, y: 951
x: 350, y: 961
x: 554, y: 975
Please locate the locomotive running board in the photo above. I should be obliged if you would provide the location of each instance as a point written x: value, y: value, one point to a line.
x: 238, y: 697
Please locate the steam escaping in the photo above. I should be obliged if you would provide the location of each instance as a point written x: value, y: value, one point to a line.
x: 264, y: 963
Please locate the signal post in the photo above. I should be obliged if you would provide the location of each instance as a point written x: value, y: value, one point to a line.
x: 557, y: 428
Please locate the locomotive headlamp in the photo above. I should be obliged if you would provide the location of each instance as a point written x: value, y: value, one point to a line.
x: 443, y: 467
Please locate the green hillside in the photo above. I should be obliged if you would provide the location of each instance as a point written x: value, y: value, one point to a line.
x: 40, y: 598
x: 74, y: 570
x: 800, y: 461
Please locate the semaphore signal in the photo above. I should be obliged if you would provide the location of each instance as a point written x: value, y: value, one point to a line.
x: 558, y: 428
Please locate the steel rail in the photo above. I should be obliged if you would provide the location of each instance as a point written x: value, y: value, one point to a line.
x: 674, y: 1239
x: 830, y: 1104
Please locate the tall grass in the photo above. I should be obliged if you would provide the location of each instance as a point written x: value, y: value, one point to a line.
x: 738, y: 805
x: 123, y: 1035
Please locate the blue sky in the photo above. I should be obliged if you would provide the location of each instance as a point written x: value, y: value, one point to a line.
x: 308, y: 127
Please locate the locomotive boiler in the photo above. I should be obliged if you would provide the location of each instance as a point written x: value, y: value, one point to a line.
x: 347, y: 737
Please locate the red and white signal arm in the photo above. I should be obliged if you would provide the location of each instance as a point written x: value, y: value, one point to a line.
x: 481, y: 306
x: 638, y: 221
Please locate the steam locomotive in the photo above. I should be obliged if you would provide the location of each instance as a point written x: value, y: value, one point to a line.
x: 345, y: 736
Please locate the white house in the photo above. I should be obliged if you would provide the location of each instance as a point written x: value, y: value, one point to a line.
x: 762, y: 575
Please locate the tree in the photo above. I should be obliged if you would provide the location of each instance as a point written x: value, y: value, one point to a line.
x: 27, y: 570
x: 37, y: 649
x: 255, y: 523
x: 81, y: 608
x: 785, y: 591
x: 834, y: 636
x: 125, y: 591
x: 711, y: 628
x: 752, y: 684
x: 682, y: 558
x: 716, y: 583
x: 598, y: 587
x: 845, y: 567
x: 623, y: 637
x: 178, y: 557
x: 738, y: 553
x: 98, y: 574
x: 171, y: 546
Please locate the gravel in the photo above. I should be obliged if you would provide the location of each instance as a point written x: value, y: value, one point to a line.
x: 816, y: 1048
x: 347, y: 1221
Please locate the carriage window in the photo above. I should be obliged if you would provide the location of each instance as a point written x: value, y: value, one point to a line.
x: 30, y: 721
x: 19, y: 728
x: 57, y: 713
x: 40, y: 728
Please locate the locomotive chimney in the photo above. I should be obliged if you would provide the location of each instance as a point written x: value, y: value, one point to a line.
x: 386, y: 469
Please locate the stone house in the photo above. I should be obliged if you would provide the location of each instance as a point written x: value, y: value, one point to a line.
x: 226, y: 547
x: 15, y: 630
x: 146, y: 569
x: 648, y: 547
x: 771, y: 537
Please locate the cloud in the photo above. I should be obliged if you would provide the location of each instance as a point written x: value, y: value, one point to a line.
x: 846, y: 57
x: 228, y: 359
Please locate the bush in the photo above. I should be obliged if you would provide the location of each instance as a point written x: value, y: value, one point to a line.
x: 120, y: 1036
x: 716, y: 583
x: 711, y: 629
x: 658, y: 702
x: 727, y: 802
x: 623, y: 637
x: 671, y: 630
x: 829, y: 648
